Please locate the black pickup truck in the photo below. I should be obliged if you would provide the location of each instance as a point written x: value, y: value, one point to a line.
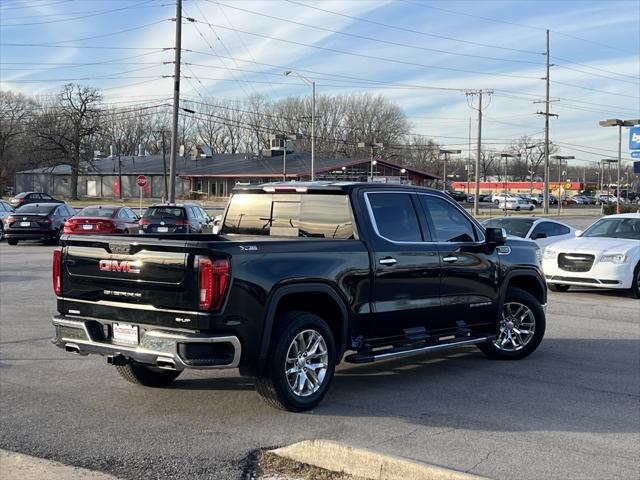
x: 301, y: 277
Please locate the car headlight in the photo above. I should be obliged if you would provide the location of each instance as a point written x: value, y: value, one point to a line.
x: 549, y: 254
x: 614, y: 258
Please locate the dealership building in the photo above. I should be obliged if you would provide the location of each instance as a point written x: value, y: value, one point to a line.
x: 207, y: 175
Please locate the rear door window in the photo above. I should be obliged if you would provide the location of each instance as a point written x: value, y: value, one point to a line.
x: 395, y: 217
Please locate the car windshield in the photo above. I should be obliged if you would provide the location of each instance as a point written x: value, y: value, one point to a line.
x: 96, y: 212
x: 517, y: 227
x: 165, y: 213
x: 21, y: 195
x: 628, y: 228
x: 35, y: 208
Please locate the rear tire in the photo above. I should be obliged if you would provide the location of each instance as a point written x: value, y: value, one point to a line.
x: 520, y: 329
x: 300, y: 341
x: 1, y: 231
x: 147, y: 376
x: 558, y: 287
x: 12, y: 241
x: 634, y: 291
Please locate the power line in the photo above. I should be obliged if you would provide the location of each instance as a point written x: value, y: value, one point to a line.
x: 58, y: 43
x: 94, y: 14
x: 362, y: 37
x: 4, y: 9
x: 371, y: 57
x: 595, y: 90
x: 339, y: 76
x: 592, y: 67
x: 395, y: 27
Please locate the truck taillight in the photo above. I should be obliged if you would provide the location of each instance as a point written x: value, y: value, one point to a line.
x: 214, y: 279
x: 57, y: 272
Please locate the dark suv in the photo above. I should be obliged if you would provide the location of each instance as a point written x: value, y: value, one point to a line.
x: 25, y: 198
x: 37, y: 221
x: 178, y: 218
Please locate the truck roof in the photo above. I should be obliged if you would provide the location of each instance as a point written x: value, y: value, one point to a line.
x: 325, y: 186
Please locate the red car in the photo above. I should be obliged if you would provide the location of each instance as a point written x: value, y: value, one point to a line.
x: 103, y: 219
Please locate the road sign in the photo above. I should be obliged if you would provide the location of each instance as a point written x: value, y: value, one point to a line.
x: 141, y: 181
x: 634, y: 138
x: 635, y: 154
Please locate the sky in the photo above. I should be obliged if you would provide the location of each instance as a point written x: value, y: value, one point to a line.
x: 422, y: 55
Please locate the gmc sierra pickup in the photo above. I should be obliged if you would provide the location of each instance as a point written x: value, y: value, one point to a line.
x: 301, y: 277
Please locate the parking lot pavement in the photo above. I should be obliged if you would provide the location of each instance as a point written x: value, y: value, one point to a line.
x: 570, y: 411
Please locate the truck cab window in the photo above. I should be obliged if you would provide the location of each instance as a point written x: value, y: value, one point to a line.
x: 394, y: 217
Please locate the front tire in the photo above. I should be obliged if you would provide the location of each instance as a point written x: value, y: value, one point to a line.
x: 12, y: 241
x: 148, y: 376
x: 558, y: 287
x: 520, y: 329
x: 634, y: 291
x: 301, y: 363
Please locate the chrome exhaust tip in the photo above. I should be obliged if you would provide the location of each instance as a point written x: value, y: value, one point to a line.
x: 165, y: 363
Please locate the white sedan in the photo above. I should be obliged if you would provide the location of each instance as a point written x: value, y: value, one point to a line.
x: 515, y: 203
x: 605, y: 255
x: 543, y: 231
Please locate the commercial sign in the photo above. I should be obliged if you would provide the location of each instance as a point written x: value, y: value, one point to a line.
x: 635, y: 153
x: 634, y: 138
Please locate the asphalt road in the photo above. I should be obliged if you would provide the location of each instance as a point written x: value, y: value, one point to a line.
x: 570, y: 411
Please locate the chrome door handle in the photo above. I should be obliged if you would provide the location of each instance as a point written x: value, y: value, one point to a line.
x: 450, y: 259
x: 388, y: 261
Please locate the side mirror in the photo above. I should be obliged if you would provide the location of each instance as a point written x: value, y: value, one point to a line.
x: 539, y: 235
x: 579, y: 233
x: 495, y: 236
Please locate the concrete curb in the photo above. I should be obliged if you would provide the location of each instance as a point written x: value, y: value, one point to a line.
x: 16, y: 466
x: 336, y: 457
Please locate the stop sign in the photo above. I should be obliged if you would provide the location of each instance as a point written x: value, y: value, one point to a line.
x: 141, y: 180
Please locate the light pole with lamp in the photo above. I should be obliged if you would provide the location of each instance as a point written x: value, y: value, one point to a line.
x: 505, y: 156
x: 372, y: 162
x: 616, y: 122
x: 312, y: 84
x: 446, y: 154
x: 560, y: 159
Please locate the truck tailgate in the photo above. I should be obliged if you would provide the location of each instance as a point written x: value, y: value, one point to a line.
x: 142, y: 280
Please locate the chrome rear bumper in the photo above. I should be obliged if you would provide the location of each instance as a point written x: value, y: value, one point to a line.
x: 163, y: 348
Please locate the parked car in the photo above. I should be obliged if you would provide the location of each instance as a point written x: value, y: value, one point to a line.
x: 25, y: 198
x: 37, y: 221
x: 301, y: 277
x: 179, y: 218
x: 5, y: 210
x: 553, y: 200
x: 515, y: 203
x: 605, y: 255
x: 457, y: 196
x: 102, y: 219
x: 604, y: 198
x: 541, y: 230
x: 534, y: 199
x: 499, y: 197
x: 566, y: 200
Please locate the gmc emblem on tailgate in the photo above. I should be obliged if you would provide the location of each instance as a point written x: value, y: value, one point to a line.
x: 125, y: 266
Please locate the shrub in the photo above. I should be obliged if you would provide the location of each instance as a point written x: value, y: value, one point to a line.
x: 610, y: 209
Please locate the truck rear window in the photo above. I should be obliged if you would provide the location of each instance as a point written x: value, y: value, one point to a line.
x: 289, y: 215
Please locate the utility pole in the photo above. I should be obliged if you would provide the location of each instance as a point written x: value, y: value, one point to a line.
x: 176, y: 104
x: 476, y: 202
x: 546, y: 114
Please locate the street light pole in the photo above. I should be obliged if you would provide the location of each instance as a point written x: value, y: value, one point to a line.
x: 372, y: 162
x: 446, y: 154
x: 312, y: 84
x: 616, y: 122
x: 560, y: 158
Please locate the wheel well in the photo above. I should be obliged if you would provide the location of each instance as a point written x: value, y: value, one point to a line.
x: 321, y: 304
x: 529, y: 284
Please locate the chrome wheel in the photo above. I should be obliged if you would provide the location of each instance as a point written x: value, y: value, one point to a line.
x: 517, y: 327
x: 306, y: 363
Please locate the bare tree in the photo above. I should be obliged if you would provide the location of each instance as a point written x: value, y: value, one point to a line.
x: 69, y: 126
